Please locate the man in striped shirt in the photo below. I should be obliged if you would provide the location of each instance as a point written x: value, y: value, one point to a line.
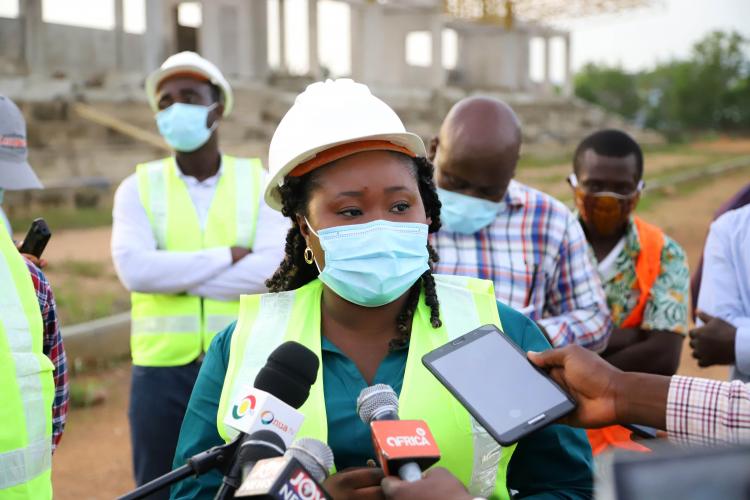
x: 493, y: 227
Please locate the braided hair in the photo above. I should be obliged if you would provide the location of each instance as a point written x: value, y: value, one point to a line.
x: 294, y: 272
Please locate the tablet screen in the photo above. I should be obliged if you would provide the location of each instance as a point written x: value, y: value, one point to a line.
x: 498, y: 382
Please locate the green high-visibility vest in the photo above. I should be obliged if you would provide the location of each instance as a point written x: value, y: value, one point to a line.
x: 174, y: 329
x: 27, y: 389
x: 468, y: 451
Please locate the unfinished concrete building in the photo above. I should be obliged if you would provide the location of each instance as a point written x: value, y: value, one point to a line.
x: 74, y: 80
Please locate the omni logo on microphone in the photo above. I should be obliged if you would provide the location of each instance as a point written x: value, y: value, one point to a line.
x: 419, y: 438
x: 256, y: 410
x: 266, y: 417
x: 247, y: 404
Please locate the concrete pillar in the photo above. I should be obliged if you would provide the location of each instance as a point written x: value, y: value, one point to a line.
x: 547, y: 65
x: 119, y: 33
x: 30, y: 11
x: 283, y: 60
x: 568, y: 83
x: 313, y: 56
x: 258, y: 41
x: 524, y: 55
x: 157, y: 40
x: 438, y: 75
x: 210, y: 43
x: 367, y: 31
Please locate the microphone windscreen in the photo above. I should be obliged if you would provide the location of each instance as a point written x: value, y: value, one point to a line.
x: 376, y: 400
x: 315, y: 456
x: 289, y: 373
x: 260, y: 445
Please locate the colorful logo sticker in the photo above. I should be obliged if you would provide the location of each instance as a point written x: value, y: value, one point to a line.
x: 247, y: 404
x: 266, y: 417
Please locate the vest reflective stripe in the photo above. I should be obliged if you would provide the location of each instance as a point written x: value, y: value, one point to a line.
x: 267, y: 320
x: 18, y: 467
x: 26, y: 385
x: 157, y: 198
x: 171, y: 324
x: 172, y: 330
x: 248, y: 178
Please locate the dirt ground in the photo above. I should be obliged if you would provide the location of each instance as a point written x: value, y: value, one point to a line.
x: 93, y: 460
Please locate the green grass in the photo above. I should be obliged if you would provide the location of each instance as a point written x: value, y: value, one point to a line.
x: 532, y: 160
x: 75, y: 307
x: 86, y: 393
x: 65, y: 218
x: 82, y: 268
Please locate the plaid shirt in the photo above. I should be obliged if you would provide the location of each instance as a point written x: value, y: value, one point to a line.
x: 536, y: 254
x: 53, y: 348
x: 701, y: 411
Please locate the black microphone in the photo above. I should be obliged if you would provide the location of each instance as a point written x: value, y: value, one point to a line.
x: 288, y: 374
x: 403, y: 447
x: 296, y: 475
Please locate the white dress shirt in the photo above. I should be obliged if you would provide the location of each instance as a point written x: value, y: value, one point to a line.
x: 5, y: 222
x: 204, y: 273
x: 725, y: 287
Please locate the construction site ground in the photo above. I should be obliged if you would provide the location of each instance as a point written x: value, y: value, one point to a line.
x: 93, y: 460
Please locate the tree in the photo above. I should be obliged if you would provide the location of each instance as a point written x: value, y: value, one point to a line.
x: 707, y: 91
x: 710, y: 90
x: 611, y: 88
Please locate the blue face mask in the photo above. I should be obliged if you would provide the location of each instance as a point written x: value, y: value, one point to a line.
x: 183, y: 126
x: 466, y: 214
x: 375, y: 263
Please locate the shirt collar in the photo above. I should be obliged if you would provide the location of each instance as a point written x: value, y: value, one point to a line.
x: 328, y: 346
x: 209, y: 182
x: 514, y: 197
x: 632, y: 243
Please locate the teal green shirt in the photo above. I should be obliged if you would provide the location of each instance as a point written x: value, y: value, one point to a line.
x: 554, y: 462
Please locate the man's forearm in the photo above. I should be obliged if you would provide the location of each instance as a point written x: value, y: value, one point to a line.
x: 163, y: 271
x: 659, y: 354
x: 621, y: 338
x: 641, y: 398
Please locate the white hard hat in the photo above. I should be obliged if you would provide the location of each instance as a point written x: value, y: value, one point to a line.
x: 325, y: 118
x: 188, y: 63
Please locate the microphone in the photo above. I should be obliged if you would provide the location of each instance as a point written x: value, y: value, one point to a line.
x: 287, y: 376
x: 403, y: 447
x: 281, y: 386
x: 296, y: 475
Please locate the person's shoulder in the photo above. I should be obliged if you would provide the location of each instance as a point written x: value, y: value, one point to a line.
x: 129, y: 182
x: 41, y: 285
x: 222, y: 341
x: 733, y: 220
x: 672, y: 250
x: 535, y: 198
x: 520, y: 329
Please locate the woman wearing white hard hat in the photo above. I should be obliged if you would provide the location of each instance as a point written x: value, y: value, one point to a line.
x: 355, y: 287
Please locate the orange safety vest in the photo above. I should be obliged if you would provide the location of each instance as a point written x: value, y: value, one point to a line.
x: 647, y: 269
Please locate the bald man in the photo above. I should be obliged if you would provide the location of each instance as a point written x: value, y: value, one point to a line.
x: 528, y: 243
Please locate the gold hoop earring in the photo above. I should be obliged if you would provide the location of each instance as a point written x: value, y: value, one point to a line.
x: 308, y: 255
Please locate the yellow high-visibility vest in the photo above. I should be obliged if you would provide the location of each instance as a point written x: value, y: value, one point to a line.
x: 468, y: 451
x: 27, y: 389
x: 174, y: 329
